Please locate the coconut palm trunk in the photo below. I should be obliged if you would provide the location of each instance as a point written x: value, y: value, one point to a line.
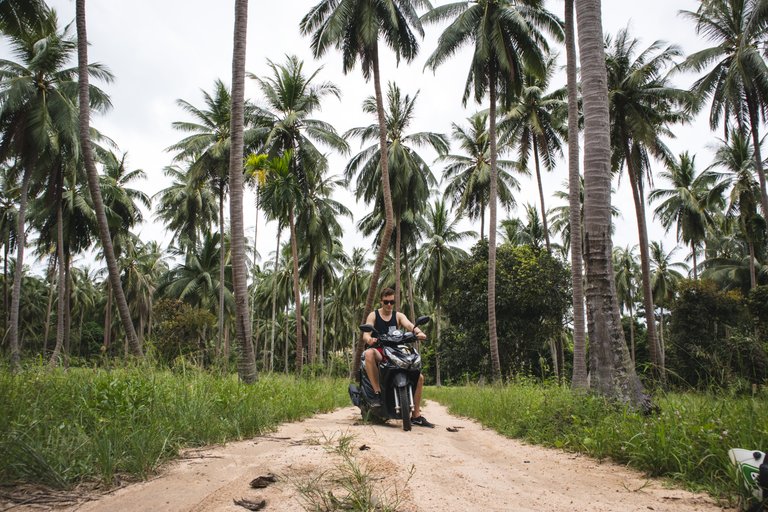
x: 222, y: 265
x: 274, y: 304
x: 755, y: 122
x: 492, y: 334
x: 48, y: 312
x: 388, y: 210
x: 436, y: 342
x: 398, y: 278
x: 645, y: 264
x: 632, y: 331
x: 296, y: 294
x: 18, y: 272
x: 61, y: 284
x: 544, y: 221
x: 613, y: 372
x: 311, y: 347
x: 108, y: 319
x: 579, y: 380
x: 246, y: 365
x: 93, y: 182
x: 322, y: 320
x: 695, y: 264
x: 67, y: 310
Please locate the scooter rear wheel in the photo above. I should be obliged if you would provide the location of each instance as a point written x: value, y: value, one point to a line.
x: 405, y: 407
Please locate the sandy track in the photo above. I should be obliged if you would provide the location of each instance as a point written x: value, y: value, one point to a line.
x: 472, y: 469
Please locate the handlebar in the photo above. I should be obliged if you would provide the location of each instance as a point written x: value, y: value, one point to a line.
x: 386, y: 339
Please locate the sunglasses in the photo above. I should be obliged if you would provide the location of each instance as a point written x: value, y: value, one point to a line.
x: 388, y: 302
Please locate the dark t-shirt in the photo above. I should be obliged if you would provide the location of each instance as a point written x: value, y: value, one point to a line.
x: 384, y: 326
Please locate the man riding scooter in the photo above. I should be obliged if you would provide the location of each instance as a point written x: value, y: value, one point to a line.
x: 383, y: 320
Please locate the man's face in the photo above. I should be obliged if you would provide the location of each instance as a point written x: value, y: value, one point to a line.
x: 388, y: 303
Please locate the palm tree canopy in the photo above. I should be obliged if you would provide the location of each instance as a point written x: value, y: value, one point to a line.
x: 354, y: 27
x: 688, y: 205
x: 410, y: 176
x: 537, y: 116
x: 642, y: 103
x: 736, y: 69
x: 468, y: 175
x: 507, y: 38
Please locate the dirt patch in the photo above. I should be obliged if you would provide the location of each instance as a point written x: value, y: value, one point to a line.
x: 457, y: 466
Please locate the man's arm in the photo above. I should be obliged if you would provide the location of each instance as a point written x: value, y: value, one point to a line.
x: 366, y: 335
x: 408, y: 326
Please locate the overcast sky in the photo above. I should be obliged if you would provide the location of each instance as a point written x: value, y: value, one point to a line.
x: 164, y: 50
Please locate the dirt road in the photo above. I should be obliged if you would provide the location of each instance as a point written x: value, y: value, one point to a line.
x: 467, y: 469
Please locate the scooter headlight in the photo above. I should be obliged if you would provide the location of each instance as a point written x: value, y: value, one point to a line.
x: 397, y: 359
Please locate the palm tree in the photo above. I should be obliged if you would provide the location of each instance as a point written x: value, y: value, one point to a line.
x: 738, y: 81
x: 354, y: 27
x: 143, y: 267
x: 292, y: 98
x: 437, y: 255
x: 410, y: 176
x: 208, y: 150
x: 38, y: 113
x: 626, y: 270
x: 247, y: 362
x: 613, y: 372
x: 255, y: 175
x: 187, y: 207
x: 318, y: 221
x: 737, y: 157
x: 468, y: 176
x: 643, y: 105
x: 93, y: 181
x: 524, y: 232
x: 535, y: 121
x: 666, y: 274
x: 281, y: 196
x: 728, y: 261
x: 506, y: 40
x: 195, y: 281
x: 579, y: 380
x: 689, y: 203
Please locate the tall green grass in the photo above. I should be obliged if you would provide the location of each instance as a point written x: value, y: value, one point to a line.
x: 60, y: 427
x: 687, y: 441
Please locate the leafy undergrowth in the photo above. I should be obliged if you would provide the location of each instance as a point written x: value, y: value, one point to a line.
x: 687, y: 441
x: 59, y: 428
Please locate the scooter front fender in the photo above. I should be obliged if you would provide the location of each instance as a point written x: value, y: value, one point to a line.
x: 399, y: 380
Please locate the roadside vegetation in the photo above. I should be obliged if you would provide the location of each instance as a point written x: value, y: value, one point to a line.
x: 60, y: 428
x: 686, y: 441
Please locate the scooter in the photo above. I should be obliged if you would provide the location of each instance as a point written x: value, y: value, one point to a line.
x: 398, y: 376
x: 753, y: 477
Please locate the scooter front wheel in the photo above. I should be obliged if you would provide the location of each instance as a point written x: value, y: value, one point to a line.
x: 405, y: 407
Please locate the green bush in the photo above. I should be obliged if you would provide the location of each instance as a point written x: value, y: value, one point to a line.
x: 182, y: 331
x: 712, y: 340
x: 757, y: 302
x: 532, y: 298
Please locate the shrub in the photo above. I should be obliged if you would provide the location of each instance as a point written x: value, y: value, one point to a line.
x: 181, y: 331
x: 532, y: 298
x: 711, y: 338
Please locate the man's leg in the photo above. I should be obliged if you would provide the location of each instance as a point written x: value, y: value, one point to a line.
x: 416, y: 416
x: 372, y: 360
x: 417, y: 398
